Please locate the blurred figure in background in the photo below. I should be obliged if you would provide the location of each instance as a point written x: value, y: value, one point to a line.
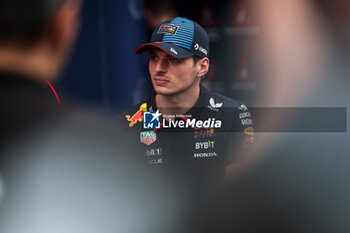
x: 63, y: 170
x: 295, y: 181
x: 33, y: 49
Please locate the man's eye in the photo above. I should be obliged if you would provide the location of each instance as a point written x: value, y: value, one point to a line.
x: 153, y: 57
x: 173, y: 60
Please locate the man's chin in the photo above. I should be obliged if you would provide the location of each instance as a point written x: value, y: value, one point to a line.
x: 163, y: 91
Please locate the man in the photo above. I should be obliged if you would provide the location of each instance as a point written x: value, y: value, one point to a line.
x: 62, y: 169
x: 201, y: 132
x: 35, y: 39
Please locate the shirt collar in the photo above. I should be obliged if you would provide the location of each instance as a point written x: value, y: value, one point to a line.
x: 194, y: 111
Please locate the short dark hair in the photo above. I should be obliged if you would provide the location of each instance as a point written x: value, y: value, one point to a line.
x: 23, y: 22
x: 196, y: 59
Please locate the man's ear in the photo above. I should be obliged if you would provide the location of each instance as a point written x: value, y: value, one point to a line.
x: 64, y: 25
x: 203, y: 66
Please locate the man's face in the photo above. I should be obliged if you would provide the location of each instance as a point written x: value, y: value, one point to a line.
x: 171, y: 76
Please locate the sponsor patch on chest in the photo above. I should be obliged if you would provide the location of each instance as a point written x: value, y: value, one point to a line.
x: 148, y: 137
x: 204, y: 145
x: 204, y: 133
x: 205, y: 155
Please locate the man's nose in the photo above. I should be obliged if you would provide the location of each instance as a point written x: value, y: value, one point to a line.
x: 161, y: 66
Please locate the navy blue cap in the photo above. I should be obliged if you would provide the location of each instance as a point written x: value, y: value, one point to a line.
x: 180, y: 38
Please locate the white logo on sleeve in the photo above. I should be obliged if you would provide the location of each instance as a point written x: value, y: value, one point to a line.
x: 214, y: 106
x: 243, y: 107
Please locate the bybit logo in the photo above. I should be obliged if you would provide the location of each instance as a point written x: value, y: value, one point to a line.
x: 204, y: 145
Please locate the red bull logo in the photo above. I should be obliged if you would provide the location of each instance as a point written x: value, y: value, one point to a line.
x: 138, y: 116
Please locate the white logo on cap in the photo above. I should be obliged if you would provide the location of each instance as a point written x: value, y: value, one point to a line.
x: 173, y: 50
x: 200, y: 48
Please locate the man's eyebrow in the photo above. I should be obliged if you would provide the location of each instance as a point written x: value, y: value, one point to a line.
x: 168, y: 56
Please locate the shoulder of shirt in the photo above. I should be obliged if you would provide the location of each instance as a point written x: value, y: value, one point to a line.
x: 219, y: 98
x: 230, y: 111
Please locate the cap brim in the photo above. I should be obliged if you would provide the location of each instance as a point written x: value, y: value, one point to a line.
x: 170, y: 49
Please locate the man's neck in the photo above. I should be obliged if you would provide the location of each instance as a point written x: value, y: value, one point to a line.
x: 179, y: 103
x: 32, y: 64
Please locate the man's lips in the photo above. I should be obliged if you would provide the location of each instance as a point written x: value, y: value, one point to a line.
x: 161, y: 81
